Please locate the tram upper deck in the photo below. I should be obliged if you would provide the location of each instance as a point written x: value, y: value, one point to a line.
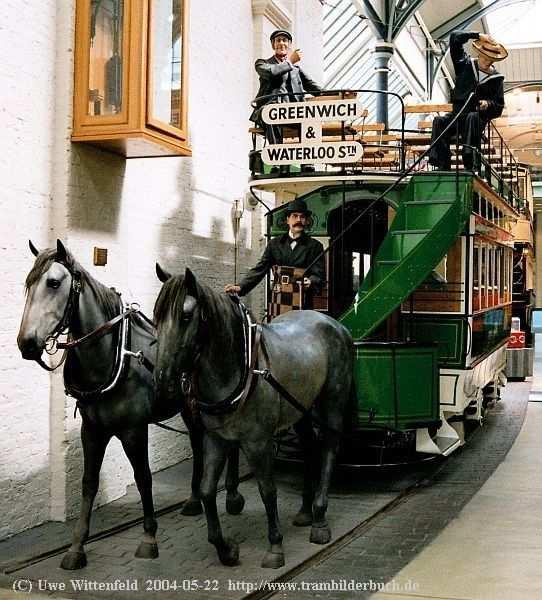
x: 331, y: 138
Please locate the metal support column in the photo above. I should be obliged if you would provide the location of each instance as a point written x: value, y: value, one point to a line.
x: 383, y: 54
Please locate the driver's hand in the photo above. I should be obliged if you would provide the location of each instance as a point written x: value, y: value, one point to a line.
x: 306, y: 282
x: 484, y: 104
x: 232, y: 288
x: 295, y: 56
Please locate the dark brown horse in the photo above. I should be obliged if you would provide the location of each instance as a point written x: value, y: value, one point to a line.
x: 114, y: 390
x: 202, y: 342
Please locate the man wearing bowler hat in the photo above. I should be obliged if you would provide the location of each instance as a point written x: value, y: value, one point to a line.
x: 476, y: 75
x: 293, y: 249
x: 280, y: 74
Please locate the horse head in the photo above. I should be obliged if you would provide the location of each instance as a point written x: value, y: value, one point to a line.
x: 48, y: 288
x: 178, y: 314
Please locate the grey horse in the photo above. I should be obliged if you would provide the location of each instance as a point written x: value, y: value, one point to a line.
x: 200, y: 337
x: 61, y: 294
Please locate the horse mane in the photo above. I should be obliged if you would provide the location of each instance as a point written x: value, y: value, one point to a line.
x: 106, y: 297
x: 171, y: 299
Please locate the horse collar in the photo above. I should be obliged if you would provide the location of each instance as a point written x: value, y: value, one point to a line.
x: 246, y: 383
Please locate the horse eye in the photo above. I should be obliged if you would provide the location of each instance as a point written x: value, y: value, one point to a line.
x: 53, y: 283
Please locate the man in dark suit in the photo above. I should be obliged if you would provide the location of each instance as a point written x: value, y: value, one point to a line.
x: 293, y: 249
x: 280, y: 74
x: 476, y: 75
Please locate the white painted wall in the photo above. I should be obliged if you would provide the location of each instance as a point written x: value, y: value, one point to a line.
x: 26, y: 122
x: 175, y: 210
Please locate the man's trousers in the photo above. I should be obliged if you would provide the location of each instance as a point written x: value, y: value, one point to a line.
x: 469, y: 126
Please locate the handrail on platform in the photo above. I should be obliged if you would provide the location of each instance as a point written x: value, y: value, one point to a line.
x: 387, y: 151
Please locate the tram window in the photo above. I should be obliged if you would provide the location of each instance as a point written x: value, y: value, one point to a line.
x: 361, y: 263
x: 476, y: 203
x: 356, y: 268
x: 443, y: 289
x: 476, y: 277
x: 508, y: 271
x: 483, y: 277
x: 491, y: 277
x: 483, y: 211
x: 498, y: 273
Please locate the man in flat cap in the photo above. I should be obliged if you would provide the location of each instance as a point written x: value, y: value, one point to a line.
x: 293, y: 249
x: 476, y: 75
x: 280, y: 74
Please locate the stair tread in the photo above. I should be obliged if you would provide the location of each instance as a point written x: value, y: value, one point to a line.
x: 424, y: 202
x: 404, y: 231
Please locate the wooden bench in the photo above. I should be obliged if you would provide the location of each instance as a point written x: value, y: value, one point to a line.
x: 428, y: 108
x: 425, y: 124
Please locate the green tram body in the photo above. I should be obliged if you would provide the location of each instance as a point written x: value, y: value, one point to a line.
x: 432, y: 313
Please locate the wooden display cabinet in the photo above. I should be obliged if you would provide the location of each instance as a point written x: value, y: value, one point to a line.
x: 130, y: 93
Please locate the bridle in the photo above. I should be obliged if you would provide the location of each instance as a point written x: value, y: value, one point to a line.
x: 72, y: 306
x: 122, y: 351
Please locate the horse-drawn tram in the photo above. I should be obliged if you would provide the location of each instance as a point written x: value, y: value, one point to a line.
x: 420, y: 263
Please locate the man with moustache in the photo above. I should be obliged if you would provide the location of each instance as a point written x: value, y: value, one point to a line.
x: 293, y: 249
x: 280, y: 74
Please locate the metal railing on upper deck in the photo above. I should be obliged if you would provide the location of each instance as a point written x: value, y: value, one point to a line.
x: 386, y: 151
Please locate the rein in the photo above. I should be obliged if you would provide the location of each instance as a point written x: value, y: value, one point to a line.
x: 122, y: 353
x: 236, y: 399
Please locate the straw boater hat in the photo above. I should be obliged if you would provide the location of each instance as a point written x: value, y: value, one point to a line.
x: 492, y: 50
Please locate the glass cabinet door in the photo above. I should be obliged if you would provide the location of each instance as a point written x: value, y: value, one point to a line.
x: 105, y: 72
x: 166, y: 108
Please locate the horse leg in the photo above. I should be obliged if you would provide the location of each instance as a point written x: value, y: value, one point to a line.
x: 320, y: 531
x: 192, y: 506
x: 234, y: 500
x: 135, y: 443
x: 215, y: 451
x: 260, y: 457
x: 94, y: 443
x: 307, y: 438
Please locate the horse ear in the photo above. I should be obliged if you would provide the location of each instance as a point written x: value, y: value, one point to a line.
x: 162, y: 275
x: 191, y: 283
x: 61, y: 252
x: 33, y: 248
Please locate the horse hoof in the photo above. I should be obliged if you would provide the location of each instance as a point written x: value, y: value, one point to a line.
x: 234, y: 503
x: 191, y: 508
x: 229, y: 555
x: 320, y: 535
x: 73, y: 561
x: 147, y: 550
x: 273, y: 560
x: 302, y: 519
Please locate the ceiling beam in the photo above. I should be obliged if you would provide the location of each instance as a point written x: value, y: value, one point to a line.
x: 402, y: 14
x: 468, y: 16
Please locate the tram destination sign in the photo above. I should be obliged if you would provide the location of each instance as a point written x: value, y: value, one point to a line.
x: 308, y: 154
x: 321, y: 111
x: 309, y: 116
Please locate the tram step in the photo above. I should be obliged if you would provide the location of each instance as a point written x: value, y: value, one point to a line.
x: 410, y: 231
x: 418, y: 202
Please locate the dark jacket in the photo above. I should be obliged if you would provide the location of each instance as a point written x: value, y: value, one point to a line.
x: 469, y: 78
x: 279, y: 252
x: 274, y: 77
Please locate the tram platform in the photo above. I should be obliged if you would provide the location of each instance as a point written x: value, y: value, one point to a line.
x: 465, y: 527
